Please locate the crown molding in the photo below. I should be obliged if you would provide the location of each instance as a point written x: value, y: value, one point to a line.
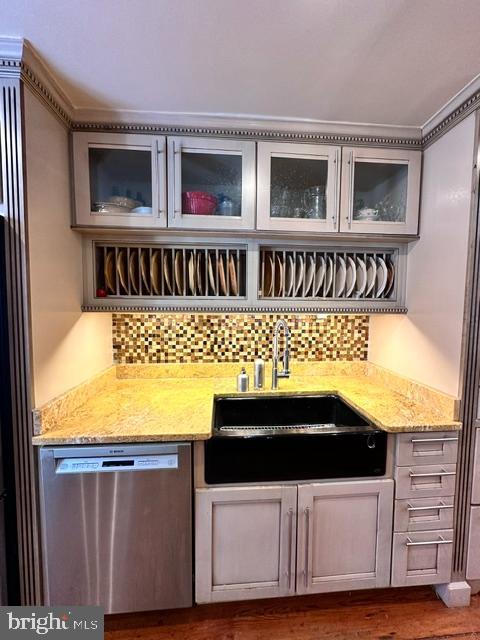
x: 244, y: 125
x: 454, y: 111
x: 19, y: 60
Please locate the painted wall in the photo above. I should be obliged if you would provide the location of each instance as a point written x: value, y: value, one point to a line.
x: 68, y: 346
x: 425, y: 345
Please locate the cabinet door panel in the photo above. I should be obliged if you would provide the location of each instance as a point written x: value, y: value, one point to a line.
x: 211, y: 183
x: 344, y: 532
x: 245, y: 543
x: 298, y: 187
x: 473, y: 561
x: 120, y: 180
x: 476, y: 470
x: 380, y: 191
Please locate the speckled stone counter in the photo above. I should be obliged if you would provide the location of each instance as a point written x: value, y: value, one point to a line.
x: 146, y: 403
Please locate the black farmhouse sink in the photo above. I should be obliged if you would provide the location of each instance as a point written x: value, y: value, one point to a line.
x: 275, y: 438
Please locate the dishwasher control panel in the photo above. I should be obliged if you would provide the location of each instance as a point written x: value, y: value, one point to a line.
x: 115, y: 464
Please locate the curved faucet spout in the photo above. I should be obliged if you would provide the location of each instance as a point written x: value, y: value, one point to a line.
x: 285, y: 373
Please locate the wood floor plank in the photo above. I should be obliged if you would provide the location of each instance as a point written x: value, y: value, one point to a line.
x: 388, y: 614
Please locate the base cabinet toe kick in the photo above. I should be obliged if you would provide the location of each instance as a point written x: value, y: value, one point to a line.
x: 273, y: 540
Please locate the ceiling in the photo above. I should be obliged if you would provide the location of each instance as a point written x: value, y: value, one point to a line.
x: 390, y: 62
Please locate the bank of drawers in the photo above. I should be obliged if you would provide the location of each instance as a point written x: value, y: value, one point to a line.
x: 425, y: 472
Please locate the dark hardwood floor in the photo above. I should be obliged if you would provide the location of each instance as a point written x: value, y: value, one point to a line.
x: 387, y: 614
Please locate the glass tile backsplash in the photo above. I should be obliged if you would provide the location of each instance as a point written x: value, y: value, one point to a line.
x: 201, y: 337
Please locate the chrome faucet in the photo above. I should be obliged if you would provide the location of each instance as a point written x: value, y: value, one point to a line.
x: 285, y: 373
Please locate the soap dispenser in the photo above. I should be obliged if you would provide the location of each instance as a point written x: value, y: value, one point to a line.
x: 242, y: 380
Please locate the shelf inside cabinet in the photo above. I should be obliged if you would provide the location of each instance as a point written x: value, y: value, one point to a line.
x: 155, y: 271
x: 303, y: 273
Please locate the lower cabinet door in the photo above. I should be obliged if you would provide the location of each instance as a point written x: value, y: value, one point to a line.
x: 245, y: 543
x: 344, y: 535
x: 422, y: 557
x: 473, y: 561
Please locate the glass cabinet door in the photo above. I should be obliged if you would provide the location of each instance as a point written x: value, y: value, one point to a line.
x: 120, y: 180
x: 380, y: 191
x: 297, y: 187
x: 211, y: 183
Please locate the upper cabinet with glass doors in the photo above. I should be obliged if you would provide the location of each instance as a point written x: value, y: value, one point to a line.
x: 380, y: 191
x: 298, y: 187
x: 211, y: 183
x: 119, y: 180
x: 214, y: 184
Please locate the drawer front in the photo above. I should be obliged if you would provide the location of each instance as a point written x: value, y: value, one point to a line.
x: 426, y: 481
x: 423, y: 514
x: 427, y: 448
x: 422, y: 557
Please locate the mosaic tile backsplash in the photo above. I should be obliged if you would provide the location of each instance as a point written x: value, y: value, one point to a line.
x: 183, y: 337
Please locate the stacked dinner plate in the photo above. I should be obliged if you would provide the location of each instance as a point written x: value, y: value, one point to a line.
x: 291, y: 273
x: 171, y: 271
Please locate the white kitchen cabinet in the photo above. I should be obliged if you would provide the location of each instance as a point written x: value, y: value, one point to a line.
x: 473, y: 560
x: 380, y: 191
x: 344, y: 535
x: 120, y: 180
x: 211, y: 183
x: 298, y: 187
x: 245, y: 543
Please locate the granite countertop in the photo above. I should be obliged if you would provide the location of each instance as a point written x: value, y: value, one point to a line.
x: 161, y: 403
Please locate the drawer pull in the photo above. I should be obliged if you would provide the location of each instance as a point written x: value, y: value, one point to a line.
x: 410, y: 543
x: 432, y: 474
x: 434, y: 506
x: 290, y: 541
x: 415, y: 440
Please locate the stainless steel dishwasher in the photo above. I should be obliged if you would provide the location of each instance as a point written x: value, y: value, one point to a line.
x: 117, y: 526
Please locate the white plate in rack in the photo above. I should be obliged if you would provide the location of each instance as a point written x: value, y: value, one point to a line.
x: 268, y: 276
x: 279, y: 272
x: 289, y: 276
x: 155, y: 273
x: 168, y: 271
x: 361, y: 277
x: 381, y: 277
x: 390, y: 278
x: 310, y: 274
x: 340, y: 276
x: 351, y: 277
x: 211, y: 276
x: 191, y: 274
x: 320, y: 275
x: 232, y: 271
x: 371, y: 274
x: 144, y: 270
x: 328, y: 276
x: 133, y: 270
x: 200, y: 271
x: 299, y: 269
